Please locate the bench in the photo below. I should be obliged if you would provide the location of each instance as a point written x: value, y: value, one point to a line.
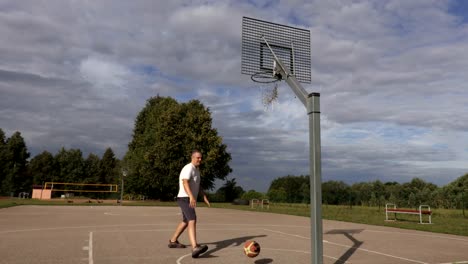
x: 423, y: 210
x: 254, y: 203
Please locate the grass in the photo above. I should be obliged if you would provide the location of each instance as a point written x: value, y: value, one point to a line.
x: 444, y: 220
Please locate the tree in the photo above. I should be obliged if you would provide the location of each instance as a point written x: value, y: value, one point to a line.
x: 362, y: 193
x: 14, y: 157
x: 164, y: 135
x: 230, y: 191
x: 252, y: 194
x: 108, y: 168
x: 92, y: 166
x: 41, y: 168
x: 292, y: 187
x: 335, y: 192
x: 277, y: 195
x: 70, y: 166
x: 3, y: 159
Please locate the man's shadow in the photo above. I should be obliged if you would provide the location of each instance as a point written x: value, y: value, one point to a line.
x: 222, y: 244
x: 349, y: 234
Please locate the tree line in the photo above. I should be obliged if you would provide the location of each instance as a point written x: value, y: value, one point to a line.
x: 164, y: 134
x: 18, y: 173
x: 295, y: 189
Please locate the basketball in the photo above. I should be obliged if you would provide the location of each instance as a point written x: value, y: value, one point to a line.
x: 251, y: 249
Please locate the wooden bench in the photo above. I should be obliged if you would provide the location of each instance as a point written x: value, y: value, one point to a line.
x: 426, y: 211
x: 254, y: 203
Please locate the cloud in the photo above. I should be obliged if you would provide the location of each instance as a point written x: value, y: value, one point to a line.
x: 392, y: 78
x: 109, y: 79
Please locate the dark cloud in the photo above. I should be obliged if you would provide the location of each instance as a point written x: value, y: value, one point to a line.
x: 392, y: 79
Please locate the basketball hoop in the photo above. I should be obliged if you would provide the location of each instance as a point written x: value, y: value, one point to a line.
x: 268, y: 84
x: 265, y: 77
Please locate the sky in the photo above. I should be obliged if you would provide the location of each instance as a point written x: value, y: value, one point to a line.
x: 392, y: 78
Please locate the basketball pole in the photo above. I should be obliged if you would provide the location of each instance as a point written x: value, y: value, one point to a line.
x: 312, y: 103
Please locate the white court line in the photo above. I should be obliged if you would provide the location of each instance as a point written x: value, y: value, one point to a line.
x: 129, y: 225
x: 90, y: 249
x: 171, y: 230
x: 283, y: 233
x: 357, y: 248
x: 76, y: 227
x: 456, y: 262
x: 376, y: 252
x: 134, y: 215
x: 274, y: 249
x: 413, y: 234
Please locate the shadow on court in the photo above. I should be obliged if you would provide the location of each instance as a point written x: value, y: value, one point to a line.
x: 222, y: 244
x: 264, y: 261
x: 349, y: 234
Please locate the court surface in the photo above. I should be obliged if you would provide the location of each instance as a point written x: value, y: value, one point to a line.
x: 113, y: 234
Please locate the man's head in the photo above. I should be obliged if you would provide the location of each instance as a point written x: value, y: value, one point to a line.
x: 196, y: 157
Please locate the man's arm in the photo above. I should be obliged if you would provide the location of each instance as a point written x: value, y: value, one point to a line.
x: 193, y: 200
x: 205, y: 198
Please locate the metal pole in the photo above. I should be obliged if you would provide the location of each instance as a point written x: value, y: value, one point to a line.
x: 313, y: 110
x: 124, y: 173
x: 121, y: 191
x: 312, y: 104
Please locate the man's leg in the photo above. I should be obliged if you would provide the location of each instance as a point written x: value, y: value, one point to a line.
x: 192, y: 232
x: 179, y: 230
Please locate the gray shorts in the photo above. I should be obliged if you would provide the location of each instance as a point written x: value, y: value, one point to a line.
x: 188, y: 213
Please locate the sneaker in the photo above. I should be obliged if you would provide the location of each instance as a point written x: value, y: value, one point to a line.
x: 175, y: 244
x: 199, y: 250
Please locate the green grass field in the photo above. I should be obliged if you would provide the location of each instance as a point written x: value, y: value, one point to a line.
x: 444, y: 221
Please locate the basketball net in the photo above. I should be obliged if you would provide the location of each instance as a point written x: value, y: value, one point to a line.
x: 268, y: 86
x: 269, y: 95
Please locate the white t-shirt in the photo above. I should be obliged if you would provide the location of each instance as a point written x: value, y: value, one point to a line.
x: 191, y: 173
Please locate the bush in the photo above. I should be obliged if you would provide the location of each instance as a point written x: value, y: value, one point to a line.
x: 240, y: 202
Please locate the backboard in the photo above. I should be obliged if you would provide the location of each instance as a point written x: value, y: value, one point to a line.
x: 291, y: 45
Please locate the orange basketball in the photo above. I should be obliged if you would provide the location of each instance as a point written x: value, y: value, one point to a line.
x: 251, y: 249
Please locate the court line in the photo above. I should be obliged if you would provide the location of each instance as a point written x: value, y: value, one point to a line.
x: 178, y: 261
x: 357, y: 248
x: 128, y: 225
x: 76, y: 227
x: 414, y: 234
x: 376, y: 252
x: 171, y: 230
x: 90, y: 249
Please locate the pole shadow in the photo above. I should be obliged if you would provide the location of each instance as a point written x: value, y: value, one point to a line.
x: 222, y: 244
x: 349, y: 234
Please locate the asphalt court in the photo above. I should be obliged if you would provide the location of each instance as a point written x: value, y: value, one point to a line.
x: 113, y: 234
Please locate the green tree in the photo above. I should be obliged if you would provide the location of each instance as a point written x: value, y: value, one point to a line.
x: 230, y: 191
x: 165, y: 133
x: 335, y: 192
x: 92, y: 166
x: 456, y: 192
x: 109, y: 168
x: 41, y: 167
x: 412, y: 200
x: 362, y: 193
x: 379, y: 189
x: 292, y: 186
x: 3, y: 159
x: 305, y: 191
x: 277, y: 195
x: 373, y: 201
x: 252, y: 194
x: 70, y: 166
x: 15, y: 155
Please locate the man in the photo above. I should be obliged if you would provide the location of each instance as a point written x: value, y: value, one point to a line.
x: 189, y: 187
